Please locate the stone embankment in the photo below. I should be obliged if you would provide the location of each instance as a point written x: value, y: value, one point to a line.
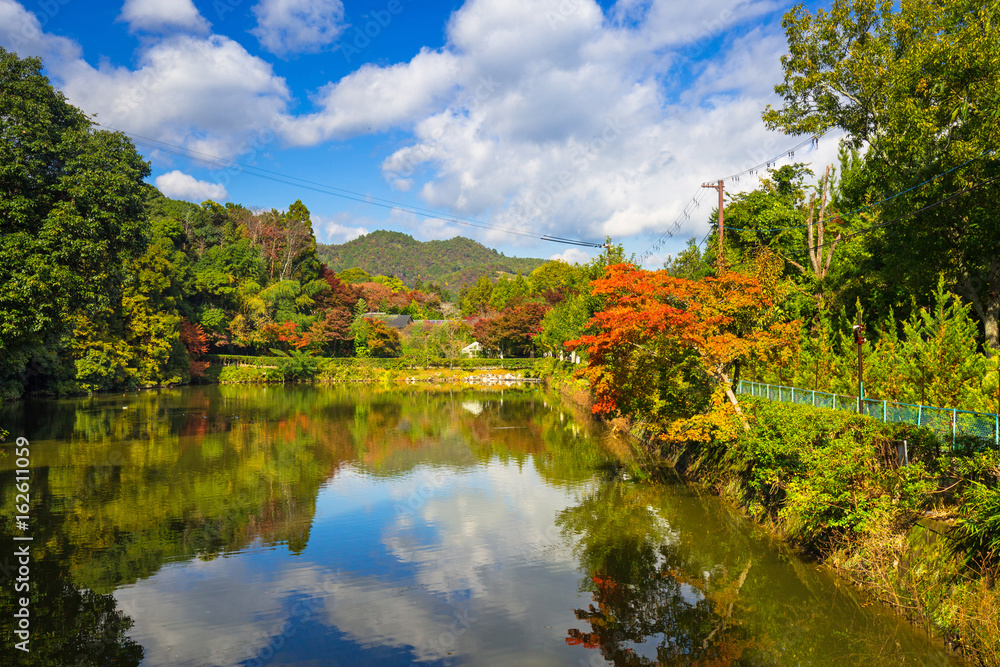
x: 484, y: 379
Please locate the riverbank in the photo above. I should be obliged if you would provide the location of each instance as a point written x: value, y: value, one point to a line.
x: 921, y: 535
x: 231, y: 369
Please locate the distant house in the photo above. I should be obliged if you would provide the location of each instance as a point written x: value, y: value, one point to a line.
x: 391, y: 321
x: 474, y: 349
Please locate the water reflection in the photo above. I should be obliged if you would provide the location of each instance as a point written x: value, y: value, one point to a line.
x: 299, y: 525
x: 68, y: 625
x: 678, y: 577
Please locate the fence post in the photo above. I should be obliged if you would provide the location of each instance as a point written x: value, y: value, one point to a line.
x: 954, y: 425
x: 884, y: 415
x: 814, y: 398
x: 920, y: 410
x: 835, y: 400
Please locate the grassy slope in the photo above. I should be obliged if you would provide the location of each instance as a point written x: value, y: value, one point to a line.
x: 830, y: 483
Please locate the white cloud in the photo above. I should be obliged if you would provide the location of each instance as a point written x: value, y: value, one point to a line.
x: 21, y: 31
x: 337, y: 230
x: 573, y: 256
x: 548, y: 117
x: 373, y: 99
x: 298, y: 26
x: 544, y: 116
x: 207, y: 94
x: 163, y: 16
x: 204, y: 93
x: 178, y: 185
x: 469, y: 549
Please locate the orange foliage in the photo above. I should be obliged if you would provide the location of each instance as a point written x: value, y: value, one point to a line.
x: 196, y: 342
x: 285, y: 333
x: 656, y: 328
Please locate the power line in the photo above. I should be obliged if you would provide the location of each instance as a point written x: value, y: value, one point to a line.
x: 812, y: 141
x: 685, y: 214
x: 880, y: 225
x: 874, y: 204
x: 322, y: 188
x: 695, y: 201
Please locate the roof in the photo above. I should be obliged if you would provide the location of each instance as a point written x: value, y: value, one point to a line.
x: 393, y: 321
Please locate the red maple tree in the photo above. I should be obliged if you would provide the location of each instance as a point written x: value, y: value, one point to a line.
x: 659, y: 335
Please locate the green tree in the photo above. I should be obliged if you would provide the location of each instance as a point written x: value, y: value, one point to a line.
x: 477, y: 299
x: 508, y: 292
x: 353, y: 276
x: 554, y: 276
x: 566, y: 321
x: 359, y: 329
x: 918, y: 85
x: 392, y: 282
x: 71, y: 219
x: 690, y: 263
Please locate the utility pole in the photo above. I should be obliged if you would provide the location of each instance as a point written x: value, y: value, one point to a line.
x: 859, y: 339
x: 721, y: 188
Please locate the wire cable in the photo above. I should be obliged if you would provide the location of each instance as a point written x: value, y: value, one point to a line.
x: 259, y: 172
x: 790, y: 153
x: 872, y: 205
x: 696, y: 199
x: 880, y: 225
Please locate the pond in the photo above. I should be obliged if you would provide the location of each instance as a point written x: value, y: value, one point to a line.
x: 233, y: 525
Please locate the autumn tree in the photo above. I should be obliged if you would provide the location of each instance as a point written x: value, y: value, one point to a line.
x: 285, y: 240
x: 512, y: 332
x: 664, y: 346
x: 383, y: 340
x: 196, y: 343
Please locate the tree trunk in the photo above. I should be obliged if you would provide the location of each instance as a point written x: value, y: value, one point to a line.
x: 984, y: 294
x: 732, y: 399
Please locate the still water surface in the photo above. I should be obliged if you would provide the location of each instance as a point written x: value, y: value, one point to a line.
x: 342, y: 526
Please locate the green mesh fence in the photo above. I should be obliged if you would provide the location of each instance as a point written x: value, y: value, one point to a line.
x: 963, y: 430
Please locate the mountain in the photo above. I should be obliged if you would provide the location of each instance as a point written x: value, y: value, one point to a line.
x: 458, y: 261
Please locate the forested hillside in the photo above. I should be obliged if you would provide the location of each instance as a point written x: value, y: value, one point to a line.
x: 459, y: 262
x: 109, y: 285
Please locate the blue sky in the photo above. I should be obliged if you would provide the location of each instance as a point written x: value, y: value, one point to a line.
x: 565, y: 118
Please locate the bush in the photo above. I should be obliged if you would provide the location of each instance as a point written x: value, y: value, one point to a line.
x: 826, y: 476
x: 250, y: 375
x: 978, y: 534
x: 297, y: 366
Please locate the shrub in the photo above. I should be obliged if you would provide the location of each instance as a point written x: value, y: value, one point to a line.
x: 250, y: 375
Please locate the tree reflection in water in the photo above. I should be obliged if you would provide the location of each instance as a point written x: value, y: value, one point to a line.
x: 652, y: 602
x: 69, y: 625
